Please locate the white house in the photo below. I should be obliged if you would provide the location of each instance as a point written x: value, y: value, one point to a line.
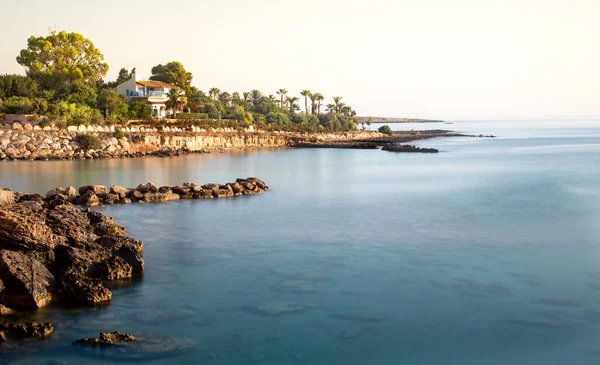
x: 154, y: 93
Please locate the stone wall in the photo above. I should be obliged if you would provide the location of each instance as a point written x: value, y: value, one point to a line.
x: 28, y: 142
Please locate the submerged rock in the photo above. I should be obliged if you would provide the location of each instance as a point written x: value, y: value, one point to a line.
x: 106, y: 339
x: 25, y: 330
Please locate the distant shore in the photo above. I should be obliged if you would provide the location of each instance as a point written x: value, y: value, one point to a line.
x: 360, y: 120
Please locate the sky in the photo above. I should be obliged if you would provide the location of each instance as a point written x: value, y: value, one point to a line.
x: 466, y: 59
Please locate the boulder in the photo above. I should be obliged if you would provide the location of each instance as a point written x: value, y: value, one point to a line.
x: 259, y: 183
x: 27, y: 329
x: 70, y: 192
x: 84, y: 289
x: 21, y: 228
x: 119, y: 190
x: 6, y: 197
x: 29, y: 284
x: 147, y: 188
x: 89, y: 198
x: 236, y: 188
x: 109, y: 229
x: 135, y: 194
x: 203, y: 194
x: 54, y: 192
x: 210, y: 186
x: 114, y: 268
x: 96, y: 189
x: 159, y: 197
x: 71, y: 224
x: 165, y: 189
x: 97, y: 217
x: 182, y: 190
x: 111, y: 198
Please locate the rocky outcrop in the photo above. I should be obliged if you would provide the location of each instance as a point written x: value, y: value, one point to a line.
x: 6, y: 197
x: 408, y: 148
x: 52, y: 251
x: 25, y: 330
x: 106, y: 339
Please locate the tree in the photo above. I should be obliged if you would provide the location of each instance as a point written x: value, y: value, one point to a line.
x: 313, y: 103
x: 306, y: 94
x: 319, y: 97
x: 225, y: 98
x: 282, y: 93
x: 112, y: 104
x: 292, y: 104
x: 173, y: 73
x: 246, y: 96
x: 17, y: 85
x: 214, y: 92
x: 337, y: 100
x: 369, y: 122
x: 175, y: 101
x: 255, y: 97
x: 385, y: 129
x: 61, y: 59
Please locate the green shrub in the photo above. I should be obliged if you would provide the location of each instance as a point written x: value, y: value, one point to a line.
x: 192, y: 116
x: 385, y: 129
x: 44, y: 123
x: 88, y: 142
x: 18, y: 105
x: 119, y: 134
x: 33, y: 118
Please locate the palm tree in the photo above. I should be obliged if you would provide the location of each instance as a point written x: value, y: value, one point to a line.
x: 319, y: 97
x: 175, y: 100
x: 224, y: 98
x: 337, y: 100
x: 235, y: 98
x: 214, y: 93
x: 306, y: 94
x: 313, y: 103
x: 255, y: 96
x: 292, y: 104
x: 246, y: 96
x: 281, y: 93
x: 330, y: 108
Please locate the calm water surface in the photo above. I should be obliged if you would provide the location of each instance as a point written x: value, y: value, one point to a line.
x: 486, y: 253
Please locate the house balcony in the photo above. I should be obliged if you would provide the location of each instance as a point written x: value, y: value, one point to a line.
x: 148, y: 94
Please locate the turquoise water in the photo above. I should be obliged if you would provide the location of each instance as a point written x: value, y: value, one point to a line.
x: 486, y: 253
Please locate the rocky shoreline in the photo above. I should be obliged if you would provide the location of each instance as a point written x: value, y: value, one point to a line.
x: 51, y: 251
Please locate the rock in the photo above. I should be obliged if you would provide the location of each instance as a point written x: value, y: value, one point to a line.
x: 70, y: 192
x: 407, y: 148
x: 259, y: 183
x: 221, y: 193
x: 71, y: 224
x: 125, y: 201
x: 54, y: 192
x: 136, y: 194
x: 236, y: 188
x: 119, y: 190
x: 6, y: 197
x: 108, y: 229
x: 106, y: 339
x: 165, y: 189
x: 29, y: 284
x: 22, y: 229
x: 27, y: 329
x: 210, y: 186
x: 1, y: 291
x: 97, y: 217
x: 5, y: 311
x: 203, y: 194
x: 96, y: 189
x: 147, y: 188
x: 17, y: 126
x: 182, y: 190
x: 88, y: 199
x: 114, y: 268
x: 84, y: 289
x: 159, y: 197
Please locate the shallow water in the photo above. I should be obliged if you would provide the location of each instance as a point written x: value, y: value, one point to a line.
x: 486, y: 253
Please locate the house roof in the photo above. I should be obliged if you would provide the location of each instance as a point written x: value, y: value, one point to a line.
x: 153, y: 83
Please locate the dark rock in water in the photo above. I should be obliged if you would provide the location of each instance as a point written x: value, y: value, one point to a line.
x: 147, y: 188
x: 114, y: 268
x: 119, y: 190
x: 97, y: 217
x: 407, y: 148
x: 26, y: 330
x: 28, y: 283
x: 88, y: 199
x: 159, y: 197
x: 96, y: 189
x: 106, y: 339
x: 6, y: 197
x: 85, y: 290
x: 124, y: 347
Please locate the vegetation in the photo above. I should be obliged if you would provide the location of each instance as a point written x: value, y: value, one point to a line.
x: 88, y: 142
x: 65, y: 83
x: 385, y: 129
x: 119, y: 134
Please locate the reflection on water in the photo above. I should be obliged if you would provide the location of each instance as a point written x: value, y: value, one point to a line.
x: 477, y: 255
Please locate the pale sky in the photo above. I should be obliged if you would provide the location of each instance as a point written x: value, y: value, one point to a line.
x: 415, y: 58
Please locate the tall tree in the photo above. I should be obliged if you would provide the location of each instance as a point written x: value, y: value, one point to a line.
x: 173, y: 73
x: 313, y: 103
x: 255, y: 96
x: 246, y: 96
x: 62, y: 59
x: 214, y: 92
x: 337, y: 100
x: 306, y: 94
x: 17, y: 85
x: 225, y: 98
x: 292, y: 104
x: 282, y: 93
x: 319, y: 97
